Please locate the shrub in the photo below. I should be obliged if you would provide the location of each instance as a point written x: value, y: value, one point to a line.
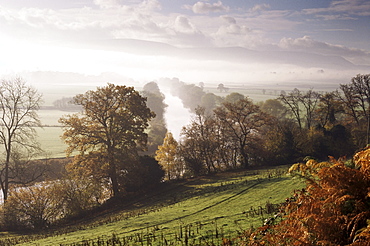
x: 79, y: 195
x: 31, y: 207
x: 334, y: 209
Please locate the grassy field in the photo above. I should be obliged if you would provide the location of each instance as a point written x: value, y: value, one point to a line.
x: 49, y: 134
x: 194, y: 212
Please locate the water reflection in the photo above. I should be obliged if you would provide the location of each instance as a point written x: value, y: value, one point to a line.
x: 176, y: 115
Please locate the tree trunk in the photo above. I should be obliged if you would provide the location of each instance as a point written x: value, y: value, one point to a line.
x: 112, y: 171
x: 6, y: 175
x: 113, y: 176
x: 244, y: 161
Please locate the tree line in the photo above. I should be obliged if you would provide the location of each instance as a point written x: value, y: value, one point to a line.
x: 120, y: 144
x: 235, y: 132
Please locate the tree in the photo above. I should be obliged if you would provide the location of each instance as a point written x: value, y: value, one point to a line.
x: 157, y: 126
x: 329, y: 109
x: 281, y: 141
x: 200, y: 143
x: 209, y: 102
x: 356, y: 101
x: 222, y: 88
x: 297, y: 102
x: 166, y: 155
x: 309, y: 101
x: 292, y: 102
x: 19, y: 104
x: 234, y: 97
x: 274, y: 108
x: 66, y: 104
x: 145, y: 174
x: 107, y: 133
x: 242, y: 121
x: 155, y: 99
x: 191, y: 96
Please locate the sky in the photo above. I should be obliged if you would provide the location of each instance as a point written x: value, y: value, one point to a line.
x: 81, y: 42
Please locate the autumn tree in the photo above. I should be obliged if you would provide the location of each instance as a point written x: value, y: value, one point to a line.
x: 166, y: 155
x: 108, y: 132
x: 200, y: 143
x: 19, y: 104
x: 242, y: 121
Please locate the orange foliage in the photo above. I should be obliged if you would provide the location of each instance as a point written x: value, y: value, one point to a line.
x: 334, y: 209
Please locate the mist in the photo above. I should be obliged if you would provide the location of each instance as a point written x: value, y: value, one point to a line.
x: 176, y: 115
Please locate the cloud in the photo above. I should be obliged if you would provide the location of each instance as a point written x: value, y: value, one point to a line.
x: 150, y: 5
x: 229, y: 19
x: 260, y: 7
x: 205, y: 8
x: 110, y: 20
x: 144, y: 20
x: 355, y: 7
x: 341, y: 10
x: 107, y: 4
x: 232, y: 27
x: 182, y: 24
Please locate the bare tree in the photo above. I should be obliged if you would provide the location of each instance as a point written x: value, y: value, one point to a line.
x: 302, y: 106
x: 200, y: 141
x: 242, y: 121
x: 18, y: 117
x: 356, y: 99
x: 293, y: 103
x: 309, y: 101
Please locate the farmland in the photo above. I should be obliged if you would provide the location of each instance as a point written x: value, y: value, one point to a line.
x: 191, y: 212
x: 49, y: 134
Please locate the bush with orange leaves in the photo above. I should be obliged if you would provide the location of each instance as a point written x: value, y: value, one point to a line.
x: 334, y: 209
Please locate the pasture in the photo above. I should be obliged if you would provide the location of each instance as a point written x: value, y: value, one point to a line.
x: 199, y: 211
x: 49, y: 135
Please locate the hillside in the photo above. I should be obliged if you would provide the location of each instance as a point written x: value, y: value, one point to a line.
x: 195, y: 211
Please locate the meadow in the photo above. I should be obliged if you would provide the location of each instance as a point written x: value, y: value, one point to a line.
x: 199, y: 211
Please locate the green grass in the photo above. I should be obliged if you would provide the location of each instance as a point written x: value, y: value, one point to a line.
x: 49, y: 135
x: 193, y: 212
x: 50, y: 141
